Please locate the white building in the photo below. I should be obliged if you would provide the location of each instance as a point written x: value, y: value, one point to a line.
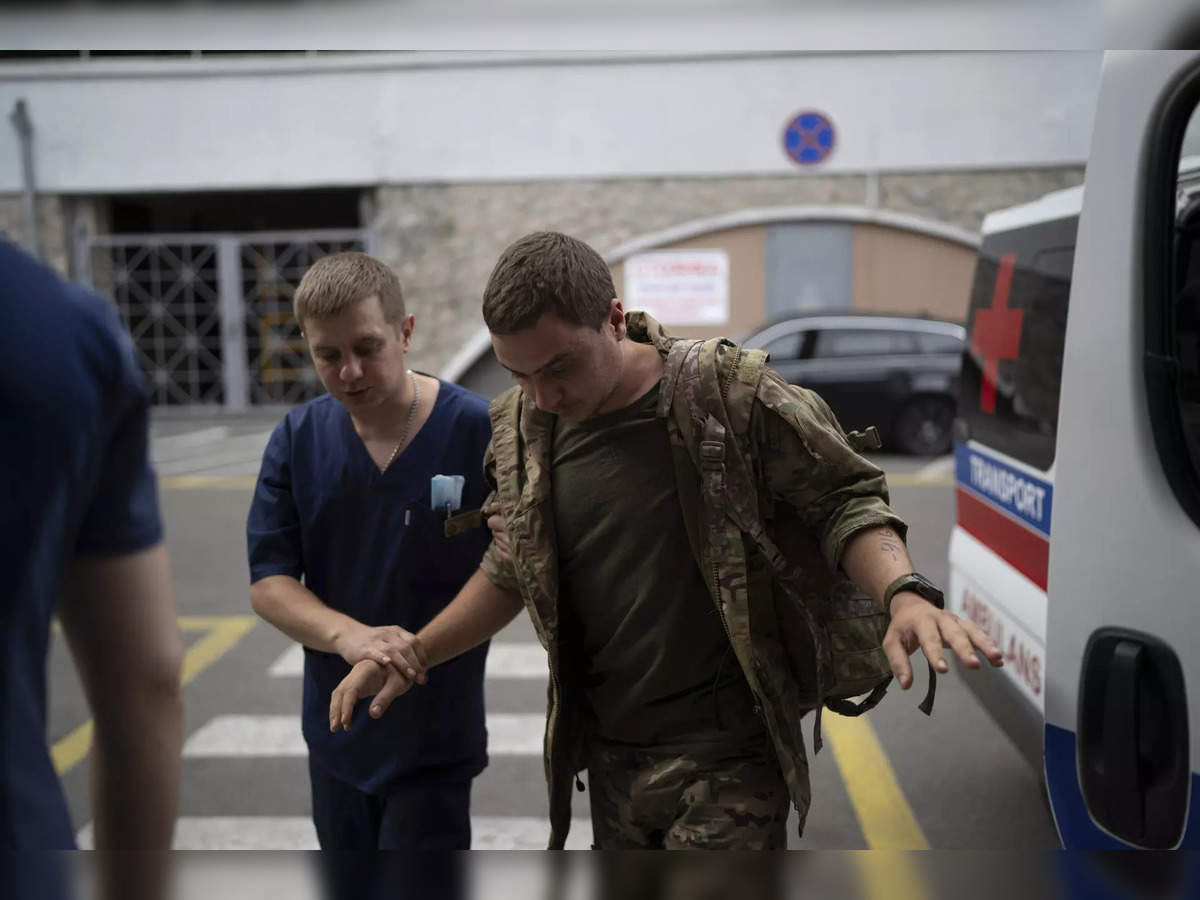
x: 195, y: 188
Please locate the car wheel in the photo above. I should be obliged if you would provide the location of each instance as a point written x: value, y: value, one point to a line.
x: 925, y: 426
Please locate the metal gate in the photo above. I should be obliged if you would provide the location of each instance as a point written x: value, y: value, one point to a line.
x: 211, y: 314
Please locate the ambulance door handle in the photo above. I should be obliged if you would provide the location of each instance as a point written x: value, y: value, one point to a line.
x: 1125, y: 794
x: 1133, y: 737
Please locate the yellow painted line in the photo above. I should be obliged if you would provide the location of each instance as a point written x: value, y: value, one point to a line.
x: 207, y: 623
x: 68, y: 752
x: 208, y: 482
x: 890, y: 875
x: 886, y: 819
x: 914, y: 479
x: 223, y: 633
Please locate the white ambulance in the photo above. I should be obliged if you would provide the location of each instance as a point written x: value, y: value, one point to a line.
x: 1077, y: 542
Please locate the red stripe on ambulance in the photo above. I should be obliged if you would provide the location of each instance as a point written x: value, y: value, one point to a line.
x: 1024, y: 549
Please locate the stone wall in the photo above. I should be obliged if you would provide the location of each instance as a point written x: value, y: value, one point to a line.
x: 444, y: 238
x: 57, y: 217
x: 51, y: 227
x: 963, y: 199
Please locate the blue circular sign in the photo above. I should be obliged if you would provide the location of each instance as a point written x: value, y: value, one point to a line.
x: 809, y: 138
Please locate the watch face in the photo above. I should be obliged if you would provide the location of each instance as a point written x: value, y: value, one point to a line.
x: 926, y: 589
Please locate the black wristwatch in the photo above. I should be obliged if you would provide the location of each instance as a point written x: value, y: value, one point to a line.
x: 918, y: 584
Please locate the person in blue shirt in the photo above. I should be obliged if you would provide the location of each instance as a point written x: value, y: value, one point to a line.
x: 81, y: 536
x: 349, y: 555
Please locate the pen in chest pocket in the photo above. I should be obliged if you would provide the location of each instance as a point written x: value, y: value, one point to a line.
x: 445, y: 493
x: 445, y: 496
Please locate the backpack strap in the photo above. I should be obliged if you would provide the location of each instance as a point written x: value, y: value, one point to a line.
x: 717, y: 503
x: 704, y: 420
x: 673, y: 367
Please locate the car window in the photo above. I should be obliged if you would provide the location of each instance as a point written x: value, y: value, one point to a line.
x: 863, y: 342
x: 786, y: 346
x: 938, y: 343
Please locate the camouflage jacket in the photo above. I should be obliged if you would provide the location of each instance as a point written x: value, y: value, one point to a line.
x: 804, y: 460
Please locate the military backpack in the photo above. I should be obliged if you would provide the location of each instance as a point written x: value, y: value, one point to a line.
x: 832, y: 633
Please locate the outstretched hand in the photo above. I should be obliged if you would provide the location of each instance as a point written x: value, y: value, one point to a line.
x: 918, y: 623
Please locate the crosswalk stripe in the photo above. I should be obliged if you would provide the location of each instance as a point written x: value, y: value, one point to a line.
x: 225, y: 736
x: 244, y: 451
x: 280, y: 736
x: 173, y: 445
x: 290, y: 663
x: 512, y: 734
x: 504, y: 660
x: 524, y: 833
x: 298, y: 833
x: 514, y: 660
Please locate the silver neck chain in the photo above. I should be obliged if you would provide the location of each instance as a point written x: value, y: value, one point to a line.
x: 412, y: 412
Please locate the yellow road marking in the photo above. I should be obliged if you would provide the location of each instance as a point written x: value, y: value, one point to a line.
x: 70, y: 750
x: 890, y: 875
x: 915, y: 479
x: 208, y: 482
x: 886, y: 819
x: 223, y: 633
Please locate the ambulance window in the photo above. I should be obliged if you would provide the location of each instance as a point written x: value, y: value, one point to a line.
x: 1173, y: 298
x: 1012, y: 363
x: 1186, y: 318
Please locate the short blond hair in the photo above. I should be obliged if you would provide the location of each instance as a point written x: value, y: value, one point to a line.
x: 336, y: 282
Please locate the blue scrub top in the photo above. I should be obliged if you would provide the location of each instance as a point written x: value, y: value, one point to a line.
x: 75, y: 480
x: 370, y: 545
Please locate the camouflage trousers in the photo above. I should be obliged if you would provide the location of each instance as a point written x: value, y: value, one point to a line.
x: 648, y: 801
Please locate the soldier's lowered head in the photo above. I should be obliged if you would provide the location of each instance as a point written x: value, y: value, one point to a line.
x: 556, y: 324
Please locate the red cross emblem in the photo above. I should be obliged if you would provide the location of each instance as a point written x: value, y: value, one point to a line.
x: 997, y: 333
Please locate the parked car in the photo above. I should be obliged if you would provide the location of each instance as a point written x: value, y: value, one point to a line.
x: 898, y: 373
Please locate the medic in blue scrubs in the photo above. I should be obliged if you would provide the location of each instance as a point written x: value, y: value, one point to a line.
x: 348, y: 550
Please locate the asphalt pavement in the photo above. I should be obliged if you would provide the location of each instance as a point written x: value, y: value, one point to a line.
x: 893, y: 780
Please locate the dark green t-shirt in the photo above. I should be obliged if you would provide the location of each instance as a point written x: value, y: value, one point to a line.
x: 656, y: 664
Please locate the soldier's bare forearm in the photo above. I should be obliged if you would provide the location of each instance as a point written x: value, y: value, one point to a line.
x: 874, y: 558
x: 479, y: 611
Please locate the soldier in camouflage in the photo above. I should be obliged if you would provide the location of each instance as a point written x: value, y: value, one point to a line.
x: 668, y: 678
